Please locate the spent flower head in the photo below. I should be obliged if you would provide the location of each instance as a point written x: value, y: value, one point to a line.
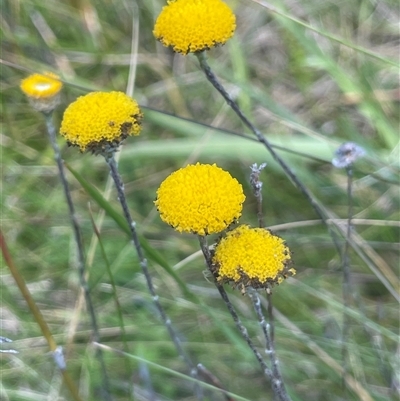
x: 347, y: 154
x: 251, y: 257
x: 255, y: 176
x: 100, y: 121
x: 201, y: 199
x: 190, y: 26
x: 42, y: 90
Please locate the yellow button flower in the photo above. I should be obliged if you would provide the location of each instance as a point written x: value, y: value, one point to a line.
x: 99, y: 121
x: 190, y: 26
x: 252, y: 257
x: 42, y: 90
x: 201, y: 199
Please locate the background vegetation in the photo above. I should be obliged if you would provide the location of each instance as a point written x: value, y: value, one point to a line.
x: 310, y: 77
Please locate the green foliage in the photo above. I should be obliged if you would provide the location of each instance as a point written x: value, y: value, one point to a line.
x: 310, y: 75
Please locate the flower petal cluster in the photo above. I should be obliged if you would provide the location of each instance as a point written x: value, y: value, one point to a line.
x: 200, y: 198
x: 252, y: 257
x: 101, y: 120
x: 190, y: 26
x: 42, y: 90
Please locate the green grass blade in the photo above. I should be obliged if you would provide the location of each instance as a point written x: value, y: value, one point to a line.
x: 121, y: 222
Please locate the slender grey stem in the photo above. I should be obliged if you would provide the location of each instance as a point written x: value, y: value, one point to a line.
x: 278, y: 383
x: 243, y: 331
x: 143, y: 263
x: 285, y: 167
x: 347, y: 291
x: 257, y: 187
x: 346, y: 257
x: 271, y: 316
x: 267, y: 328
x: 81, y: 256
x: 346, y: 265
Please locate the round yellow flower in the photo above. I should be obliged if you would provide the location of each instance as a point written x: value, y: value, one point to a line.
x: 41, y: 85
x: 42, y: 90
x: 201, y: 199
x: 252, y: 257
x: 99, y: 121
x: 190, y: 26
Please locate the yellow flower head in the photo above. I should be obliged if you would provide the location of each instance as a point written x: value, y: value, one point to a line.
x: 99, y: 121
x: 252, y: 257
x: 42, y: 90
x: 190, y: 26
x: 201, y: 199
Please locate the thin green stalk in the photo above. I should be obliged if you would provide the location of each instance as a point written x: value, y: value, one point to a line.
x: 328, y: 34
x: 211, y: 378
x: 174, y: 373
x: 358, y: 387
x: 81, y: 257
x: 54, y: 348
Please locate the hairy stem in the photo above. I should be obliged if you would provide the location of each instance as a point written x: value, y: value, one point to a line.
x: 267, y: 329
x: 285, y: 167
x: 143, y: 263
x: 243, y: 331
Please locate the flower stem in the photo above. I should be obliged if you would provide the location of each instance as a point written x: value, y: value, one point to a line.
x: 268, y: 330
x: 56, y: 350
x: 243, y: 331
x: 143, y: 263
x: 285, y: 167
x: 257, y: 187
x: 347, y: 290
x: 81, y: 257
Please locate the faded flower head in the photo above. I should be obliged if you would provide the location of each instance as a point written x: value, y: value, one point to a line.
x: 190, y: 26
x: 42, y: 90
x: 200, y: 198
x: 255, y: 177
x: 347, y: 154
x: 252, y: 257
x: 100, y: 121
